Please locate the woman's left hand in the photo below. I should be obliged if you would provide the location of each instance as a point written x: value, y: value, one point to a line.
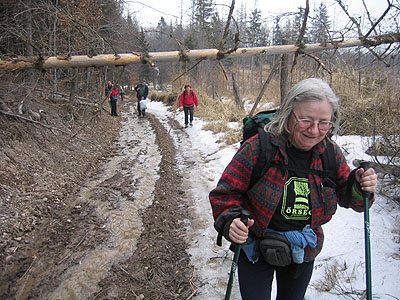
x: 367, y: 179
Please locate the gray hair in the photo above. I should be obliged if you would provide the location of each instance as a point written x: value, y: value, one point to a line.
x: 311, y: 89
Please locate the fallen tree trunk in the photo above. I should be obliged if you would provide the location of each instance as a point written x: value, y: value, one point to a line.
x: 84, y: 61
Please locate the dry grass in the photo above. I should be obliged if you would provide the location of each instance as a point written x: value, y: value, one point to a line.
x: 368, y: 116
x: 164, y: 97
x: 339, y: 279
x: 375, y: 112
x: 371, y: 108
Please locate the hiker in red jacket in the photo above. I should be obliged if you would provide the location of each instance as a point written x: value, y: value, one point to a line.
x: 113, y: 100
x: 188, y: 99
x: 294, y: 197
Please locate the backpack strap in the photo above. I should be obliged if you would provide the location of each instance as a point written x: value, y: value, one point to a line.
x: 185, y: 93
x: 329, y: 161
x: 265, y: 158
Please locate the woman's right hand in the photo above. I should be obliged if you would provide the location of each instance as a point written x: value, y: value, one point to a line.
x: 238, y: 231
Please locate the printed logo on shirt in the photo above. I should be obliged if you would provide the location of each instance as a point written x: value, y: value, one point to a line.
x: 295, y: 200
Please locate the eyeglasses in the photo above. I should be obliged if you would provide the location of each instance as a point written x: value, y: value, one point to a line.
x: 306, y: 123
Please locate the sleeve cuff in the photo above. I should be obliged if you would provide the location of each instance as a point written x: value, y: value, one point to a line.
x: 356, y: 194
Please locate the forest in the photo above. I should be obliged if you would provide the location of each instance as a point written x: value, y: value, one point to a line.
x: 70, y: 49
x: 56, y: 57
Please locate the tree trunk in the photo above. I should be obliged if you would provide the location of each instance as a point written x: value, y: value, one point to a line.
x: 266, y: 83
x: 284, y: 82
x: 83, y: 61
x: 236, y: 92
x: 252, y: 73
x: 55, y: 48
x: 74, y: 85
x: 25, y: 106
x: 88, y: 77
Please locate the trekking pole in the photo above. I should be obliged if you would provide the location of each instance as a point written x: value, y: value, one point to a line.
x: 365, y: 166
x: 244, y: 216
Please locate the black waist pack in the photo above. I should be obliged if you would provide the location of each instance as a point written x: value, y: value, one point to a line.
x: 275, y: 249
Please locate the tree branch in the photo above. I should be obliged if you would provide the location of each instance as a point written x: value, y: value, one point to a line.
x: 319, y: 61
x: 32, y: 121
x: 352, y: 19
x: 379, y: 20
x: 299, y: 40
x: 228, y: 24
x: 221, y: 54
x: 187, y: 70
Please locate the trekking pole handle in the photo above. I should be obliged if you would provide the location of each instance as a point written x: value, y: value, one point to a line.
x: 244, y: 216
x: 365, y: 166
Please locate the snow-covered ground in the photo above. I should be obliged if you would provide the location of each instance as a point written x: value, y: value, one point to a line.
x: 339, y: 269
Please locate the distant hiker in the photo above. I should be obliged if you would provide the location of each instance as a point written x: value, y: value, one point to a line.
x: 121, y: 93
x: 142, y: 91
x: 188, y: 99
x: 113, y: 100
x: 108, y: 88
x: 293, y: 198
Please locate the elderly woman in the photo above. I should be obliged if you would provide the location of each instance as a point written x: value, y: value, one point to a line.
x: 293, y: 199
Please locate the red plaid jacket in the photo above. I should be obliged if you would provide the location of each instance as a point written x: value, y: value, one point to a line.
x: 231, y: 194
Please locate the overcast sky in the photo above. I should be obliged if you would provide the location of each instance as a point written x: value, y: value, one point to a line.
x: 149, y: 12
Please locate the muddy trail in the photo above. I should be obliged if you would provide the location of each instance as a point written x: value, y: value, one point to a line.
x: 125, y: 231
x: 137, y: 192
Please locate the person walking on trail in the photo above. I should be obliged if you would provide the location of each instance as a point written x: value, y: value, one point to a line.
x: 142, y: 91
x: 113, y: 100
x: 188, y: 100
x: 293, y: 198
x: 108, y: 88
x: 121, y: 93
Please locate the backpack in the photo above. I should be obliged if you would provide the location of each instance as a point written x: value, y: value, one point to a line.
x: 252, y: 125
x: 185, y: 93
x: 142, y: 91
x: 255, y: 124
